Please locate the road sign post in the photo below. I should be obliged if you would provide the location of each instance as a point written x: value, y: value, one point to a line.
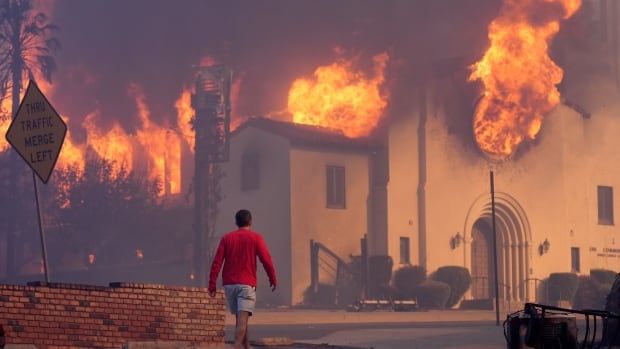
x: 37, y: 133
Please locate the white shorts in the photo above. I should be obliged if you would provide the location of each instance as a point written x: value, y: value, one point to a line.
x: 240, y: 298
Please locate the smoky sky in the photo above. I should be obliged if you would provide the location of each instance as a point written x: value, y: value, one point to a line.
x: 108, y: 44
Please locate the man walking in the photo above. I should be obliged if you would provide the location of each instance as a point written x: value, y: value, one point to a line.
x: 238, y: 251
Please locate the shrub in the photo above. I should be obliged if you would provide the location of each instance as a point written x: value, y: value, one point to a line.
x: 605, y: 289
x: 348, y: 291
x: 459, y: 280
x: 406, y: 281
x: 562, y: 286
x: 590, y: 294
x: 603, y: 276
x: 379, y: 275
x: 325, y: 297
x: 433, y: 294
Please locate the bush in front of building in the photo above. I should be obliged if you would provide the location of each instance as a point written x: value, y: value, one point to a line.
x: 433, y: 294
x: 604, y: 276
x: 348, y: 291
x: 379, y: 276
x: 459, y: 280
x: 562, y: 286
x: 591, y: 294
x: 325, y: 297
x: 406, y: 281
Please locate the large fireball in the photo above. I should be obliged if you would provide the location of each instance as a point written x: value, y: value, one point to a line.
x: 518, y: 76
x: 340, y: 97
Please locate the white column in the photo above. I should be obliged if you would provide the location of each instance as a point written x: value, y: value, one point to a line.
x: 507, y: 272
x: 529, y: 294
x: 522, y: 273
x: 514, y: 285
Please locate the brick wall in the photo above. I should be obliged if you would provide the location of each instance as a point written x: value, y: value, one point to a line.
x: 66, y: 315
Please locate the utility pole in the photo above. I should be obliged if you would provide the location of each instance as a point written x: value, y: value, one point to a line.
x: 212, y: 106
x: 494, y: 249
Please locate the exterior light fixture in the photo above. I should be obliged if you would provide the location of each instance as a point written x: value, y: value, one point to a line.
x: 544, y: 247
x: 456, y: 240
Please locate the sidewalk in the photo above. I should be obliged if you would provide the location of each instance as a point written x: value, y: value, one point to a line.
x: 305, y: 316
x: 435, y: 329
x: 440, y: 337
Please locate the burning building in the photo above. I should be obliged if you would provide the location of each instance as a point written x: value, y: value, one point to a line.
x: 401, y: 150
x: 422, y: 194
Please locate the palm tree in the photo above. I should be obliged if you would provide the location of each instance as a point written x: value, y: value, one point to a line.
x: 27, y: 47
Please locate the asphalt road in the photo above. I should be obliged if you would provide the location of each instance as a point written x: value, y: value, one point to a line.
x: 388, y: 335
x: 318, y: 331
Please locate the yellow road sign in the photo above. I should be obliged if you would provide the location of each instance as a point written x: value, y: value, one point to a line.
x: 37, y: 132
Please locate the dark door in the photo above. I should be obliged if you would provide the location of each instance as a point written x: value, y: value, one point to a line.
x: 480, y: 261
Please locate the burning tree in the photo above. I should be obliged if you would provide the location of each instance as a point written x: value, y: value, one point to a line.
x: 102, y: 209
x: 27, y: 47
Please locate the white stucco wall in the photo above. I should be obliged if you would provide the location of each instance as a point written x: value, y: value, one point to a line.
x: 339, y: 229
x: 402, y: 202
x: 270, y: 204
x: 602, y: 132
x: 554, y: 181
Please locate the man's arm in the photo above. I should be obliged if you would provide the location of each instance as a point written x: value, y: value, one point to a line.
x: 216, y: 266
x: 265, y: 259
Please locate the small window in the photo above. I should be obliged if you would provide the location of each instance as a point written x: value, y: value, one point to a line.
x: 336, y: 187
x: 575, y: 264
x: 605, y: 205
x: 404, y: 250
x: 250, y: 171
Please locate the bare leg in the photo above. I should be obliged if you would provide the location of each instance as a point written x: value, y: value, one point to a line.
x: 246, y: 338
x: 241, y: 329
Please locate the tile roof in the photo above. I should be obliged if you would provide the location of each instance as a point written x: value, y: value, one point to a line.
x: 309, y: 135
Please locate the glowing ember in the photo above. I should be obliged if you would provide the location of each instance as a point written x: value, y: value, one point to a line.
x: 162, y: 144
x: 339, y: 97
x: 518, y: 76
x: 91, y: 259
x: 139, y: 254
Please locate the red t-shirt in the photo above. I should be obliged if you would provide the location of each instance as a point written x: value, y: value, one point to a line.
x: 238, y: 251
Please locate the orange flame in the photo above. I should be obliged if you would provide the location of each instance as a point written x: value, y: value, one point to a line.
x: 236, y: 119
x: 162, y: 144
x: 113, y: 145
x: 518, y: 76
x: 5, y: 122
x: 71, y: 154
x: 185, y: 115
x: 339, y: 97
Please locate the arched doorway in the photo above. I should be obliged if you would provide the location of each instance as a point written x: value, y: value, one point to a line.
x: 513, y: 248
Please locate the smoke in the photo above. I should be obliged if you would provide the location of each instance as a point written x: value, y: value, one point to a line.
x: 109, y: 43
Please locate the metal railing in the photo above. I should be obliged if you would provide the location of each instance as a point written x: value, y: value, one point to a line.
x: 486, y: 286
x: 332, y: 264
x: 538, y: 333
x: 537, y: 281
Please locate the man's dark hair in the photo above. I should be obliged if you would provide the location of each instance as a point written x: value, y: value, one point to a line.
x: 243, y: 218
